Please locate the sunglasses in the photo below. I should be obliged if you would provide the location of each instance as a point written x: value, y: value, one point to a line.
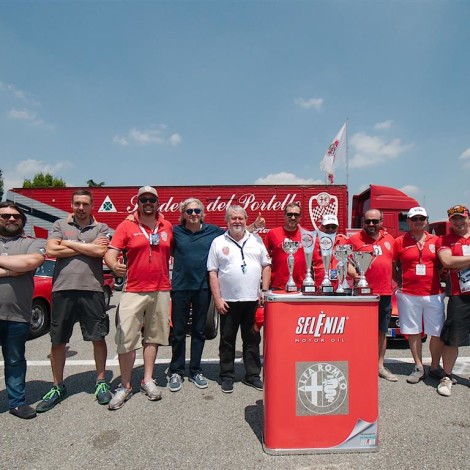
x: 457, y: 210
x: 331, y: 227
x: 371, y: 221
x: 9, y: 216
x: 193, y: 211
x: 418, y: 218
x: 152, y: 200
x: 293, y: 214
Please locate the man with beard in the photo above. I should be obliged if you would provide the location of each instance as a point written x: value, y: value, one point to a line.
x: 79, y: 244
x: 373, y: 238
x: 453, y: 251
x: 19, y: 258
x: 237, y: 262
x: 147, y: 240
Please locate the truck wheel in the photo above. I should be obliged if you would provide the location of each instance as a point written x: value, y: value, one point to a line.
x: 40, y: 319
x: 212, y: 321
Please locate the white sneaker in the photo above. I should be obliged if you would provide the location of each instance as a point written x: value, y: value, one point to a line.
x: 444, y: 387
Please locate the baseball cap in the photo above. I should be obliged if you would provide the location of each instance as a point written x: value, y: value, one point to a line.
x: 147, y: 190
x: 329, y: 219
x: 458, y: 209
x: 417, y: 211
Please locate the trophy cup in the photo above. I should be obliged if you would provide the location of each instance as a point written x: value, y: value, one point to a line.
x: 290, y: 247
x: 326, y: 248
x: 342, y: 253
x: 308, y: 242
x: 363, y: 260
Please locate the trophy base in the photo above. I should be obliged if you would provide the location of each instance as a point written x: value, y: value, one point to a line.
x: 362, y: 291
x: 327, y: 290
x: 292, y: 288
x: 308, y: 290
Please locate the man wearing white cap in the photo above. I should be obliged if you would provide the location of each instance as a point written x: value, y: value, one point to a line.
x: 420, y: 298
x: 147, y: 240
x: 329, y: 227
x: 453, y: 251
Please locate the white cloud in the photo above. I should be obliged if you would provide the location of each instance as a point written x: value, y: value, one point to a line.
x: 30, y: 167
x: 29, y: 116
x: 383, y: 125
x: 286, y: 178
x: 372, y: 150
x: 24, y: 96
x: 315, y: 103
x: 465, y: 157
x: 148, y: 137
x: 410, y: 190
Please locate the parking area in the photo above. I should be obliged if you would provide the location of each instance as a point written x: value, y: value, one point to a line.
x: 208, y: 429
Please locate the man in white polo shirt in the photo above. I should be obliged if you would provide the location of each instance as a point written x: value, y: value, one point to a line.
x: 237, y: 262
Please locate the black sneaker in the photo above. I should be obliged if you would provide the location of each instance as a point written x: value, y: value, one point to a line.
x: 103, y: 392
x: 255, y: 383
x: 54, y: 396
x: 23, y: 412
x: 227, y: 385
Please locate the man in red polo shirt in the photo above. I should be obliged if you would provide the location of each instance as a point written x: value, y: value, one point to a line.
x: 273, y: 242
x: 147, y: 240
x: 373, y: 238
x: 421, y: 298
x: 453, y: 251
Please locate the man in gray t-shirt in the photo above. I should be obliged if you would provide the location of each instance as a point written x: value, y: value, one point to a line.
x: 79, y: 244
x: 19, y: 258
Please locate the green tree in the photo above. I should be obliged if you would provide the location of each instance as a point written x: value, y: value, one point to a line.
x: 44, y: 180
x: 92, y: 184
x: 1, y: 185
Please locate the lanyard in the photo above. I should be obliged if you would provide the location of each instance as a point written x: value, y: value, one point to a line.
x: 153, y: 238
x: 420, y: 246
x: 243, y: 265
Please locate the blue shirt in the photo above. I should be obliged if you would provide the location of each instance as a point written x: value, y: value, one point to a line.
x: 190, y: 256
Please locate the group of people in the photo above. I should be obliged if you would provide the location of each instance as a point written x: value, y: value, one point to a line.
x: 233, y: 266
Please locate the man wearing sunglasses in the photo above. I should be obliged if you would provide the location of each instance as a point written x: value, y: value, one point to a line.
x: 190, y: 289
x: 78, y: 243
x: 453, y: 251
x: 19, y: 258
x: 147, y: 240
x: 373, y: 238
x: 273, y: 242
x: 420, y: 297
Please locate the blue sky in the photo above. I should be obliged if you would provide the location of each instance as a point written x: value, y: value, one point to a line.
x: 238, y: 92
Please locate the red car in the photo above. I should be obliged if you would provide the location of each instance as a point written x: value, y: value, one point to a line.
x: 41, y: 308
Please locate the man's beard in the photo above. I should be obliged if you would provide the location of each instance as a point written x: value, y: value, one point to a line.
x: 11, y: 230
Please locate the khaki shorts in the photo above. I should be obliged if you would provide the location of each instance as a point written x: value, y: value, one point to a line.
x: 150, y: 309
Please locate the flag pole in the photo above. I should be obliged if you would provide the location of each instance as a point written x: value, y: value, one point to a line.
x: 347, y: 154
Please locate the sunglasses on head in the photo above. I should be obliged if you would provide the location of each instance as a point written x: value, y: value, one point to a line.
x: 418, y: 218
x: 293, y: 214
x: 191, y: 211
x: 459, y: 209
x: 371, y: 221
x: 144, y: 199
x: 9, y: 216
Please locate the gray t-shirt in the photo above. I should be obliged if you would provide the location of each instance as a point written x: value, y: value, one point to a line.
x: 79, y: 272
x: 16, y: 292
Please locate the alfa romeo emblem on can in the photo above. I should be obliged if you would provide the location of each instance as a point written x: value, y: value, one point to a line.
x: 322, y: 388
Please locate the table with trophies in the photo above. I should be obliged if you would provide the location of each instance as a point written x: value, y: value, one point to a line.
x: 320, y: 356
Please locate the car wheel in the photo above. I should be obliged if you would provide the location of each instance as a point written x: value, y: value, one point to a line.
x: 40, y: 319
x: 107, y: 296
x: 212, y: 321
x: 118, y: 283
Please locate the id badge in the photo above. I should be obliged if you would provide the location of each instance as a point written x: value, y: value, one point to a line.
x: 421, y: 270
x: 466, y: 250
x: 154, y: 239
x: 377, y: 250
x: 333, y: 274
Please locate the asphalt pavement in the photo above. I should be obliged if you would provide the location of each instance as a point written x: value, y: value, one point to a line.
x: 207, y: 429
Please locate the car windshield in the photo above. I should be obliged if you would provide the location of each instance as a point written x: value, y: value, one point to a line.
x: 46, y: 269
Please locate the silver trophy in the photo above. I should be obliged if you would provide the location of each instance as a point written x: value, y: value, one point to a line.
x: 290, y: 247
x: 362, y: 261
x: 308, y: 243
x: 326, y: 247
x: 342, y: 253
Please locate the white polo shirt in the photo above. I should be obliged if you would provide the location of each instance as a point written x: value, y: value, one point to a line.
x: 239, y: 265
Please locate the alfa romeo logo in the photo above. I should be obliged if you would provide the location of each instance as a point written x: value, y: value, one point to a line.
x: 322, y: 388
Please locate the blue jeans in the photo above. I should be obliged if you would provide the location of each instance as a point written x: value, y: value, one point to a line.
x: 13, y: 336
x: 181, y: 302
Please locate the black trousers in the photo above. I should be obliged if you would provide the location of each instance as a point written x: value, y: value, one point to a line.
x: 240, y: 315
